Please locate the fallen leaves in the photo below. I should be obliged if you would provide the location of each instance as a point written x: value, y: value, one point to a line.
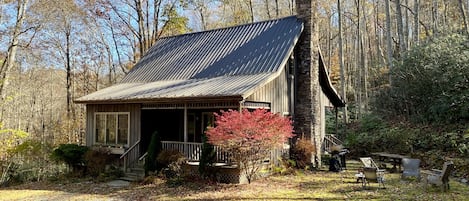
x: 303, y: 185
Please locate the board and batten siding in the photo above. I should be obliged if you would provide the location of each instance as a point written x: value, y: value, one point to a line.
x: 276, y: 93
x: 135, y: 115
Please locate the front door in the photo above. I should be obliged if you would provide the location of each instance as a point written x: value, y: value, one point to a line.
x: 197, y: 123
x: 169, y: 123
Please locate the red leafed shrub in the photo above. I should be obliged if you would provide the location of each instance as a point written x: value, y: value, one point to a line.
x: 249, y: 136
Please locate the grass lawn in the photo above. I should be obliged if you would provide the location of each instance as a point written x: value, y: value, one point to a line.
x: 317, y: 185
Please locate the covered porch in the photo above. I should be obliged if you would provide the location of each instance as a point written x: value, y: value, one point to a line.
x: 180, y: 127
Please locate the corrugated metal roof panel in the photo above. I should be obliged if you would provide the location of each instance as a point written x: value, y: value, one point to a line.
x: 223, y: 86
x: 225, y: 62
x: 241, y: 50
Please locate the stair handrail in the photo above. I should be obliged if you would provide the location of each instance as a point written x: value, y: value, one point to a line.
x: 143, y: 156
x: 124, y: 155
x: 330, y: 141
x: 129, y: 149
x: 332, y: 138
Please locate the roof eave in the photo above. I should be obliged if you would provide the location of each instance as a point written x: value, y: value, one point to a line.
x: 326, y: 85
x: 164, y: 100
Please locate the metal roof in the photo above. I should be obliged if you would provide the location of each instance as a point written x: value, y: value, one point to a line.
x: 227, y: 62
x: 223, y: 86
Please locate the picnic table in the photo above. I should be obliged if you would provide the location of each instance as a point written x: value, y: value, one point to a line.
x: 394, y: 159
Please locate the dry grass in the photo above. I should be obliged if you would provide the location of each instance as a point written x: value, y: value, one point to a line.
x: 320, y: 185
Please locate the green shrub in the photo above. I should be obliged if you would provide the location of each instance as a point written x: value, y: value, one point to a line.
x: 32, y: 160
x: 373, y: 134
x: 286, y: 166
x: 430, y: 83
x: 207, y: 158
x: 71, y: 154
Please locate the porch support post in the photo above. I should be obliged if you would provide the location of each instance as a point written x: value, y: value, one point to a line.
x: 185, y: 122
x: 241, y: 105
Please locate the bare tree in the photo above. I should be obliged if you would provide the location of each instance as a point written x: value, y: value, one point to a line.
x: 12, y: 46
x: 400, y: 26
x: 416, y: 28
x: 277, y: 9
x: 464, y: 16
x: 341, y: 63
x: 267, y: 8
x: 388, y: 37
x: 251, y: 9
x: 200, y: 6
x: 435, y: 16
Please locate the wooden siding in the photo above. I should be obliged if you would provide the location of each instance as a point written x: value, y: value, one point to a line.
x: 276, y: 93
x: 133, y: 109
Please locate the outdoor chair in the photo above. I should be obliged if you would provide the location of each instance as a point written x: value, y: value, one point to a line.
x: 370, y: 173
x: 411, y: 168
x: 440, y: 177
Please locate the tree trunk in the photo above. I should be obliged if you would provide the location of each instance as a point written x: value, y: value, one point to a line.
x: 416, y: 29
x: 378, y: 54
x: 142, y: 39
x: 68, y: 67
x: 329, y: 43
x: 464, y: 16
x: 12, y: 48
x: 277, y: 10
x: 406, y: 26
x: 251, y: 10
x: 435, y: 17
x: 388, y: 38
x: 365, y: 49
x: 156, y: 19
x: 118, y: 54
x: 445, y: 14
x: 342, y: 67
x: 267, y: 8
x: 400, y: 27
x: 359, y: 61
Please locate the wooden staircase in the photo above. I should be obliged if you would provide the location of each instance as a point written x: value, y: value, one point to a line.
x: 329, y: 142
x: 133, y: 165
x: 135, y: 173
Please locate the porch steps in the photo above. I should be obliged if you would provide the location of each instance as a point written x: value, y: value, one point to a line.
x: 134, y: 174
x: 329, y: 142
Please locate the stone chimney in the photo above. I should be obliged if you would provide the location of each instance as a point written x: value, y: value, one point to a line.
x: 307, y: 115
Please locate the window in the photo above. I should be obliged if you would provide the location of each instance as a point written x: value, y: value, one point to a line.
x: 112, y: 128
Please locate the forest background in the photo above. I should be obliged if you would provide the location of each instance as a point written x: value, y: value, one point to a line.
x: 401, y: 65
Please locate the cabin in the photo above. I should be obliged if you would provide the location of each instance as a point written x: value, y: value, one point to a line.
x: 182, y: 80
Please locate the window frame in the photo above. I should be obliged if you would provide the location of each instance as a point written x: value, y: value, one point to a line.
x: 115, y: 143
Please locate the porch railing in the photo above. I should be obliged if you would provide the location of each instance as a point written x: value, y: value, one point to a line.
x: 193, y: 150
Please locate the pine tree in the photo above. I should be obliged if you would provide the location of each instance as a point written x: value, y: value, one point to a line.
x: 154, y: 148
